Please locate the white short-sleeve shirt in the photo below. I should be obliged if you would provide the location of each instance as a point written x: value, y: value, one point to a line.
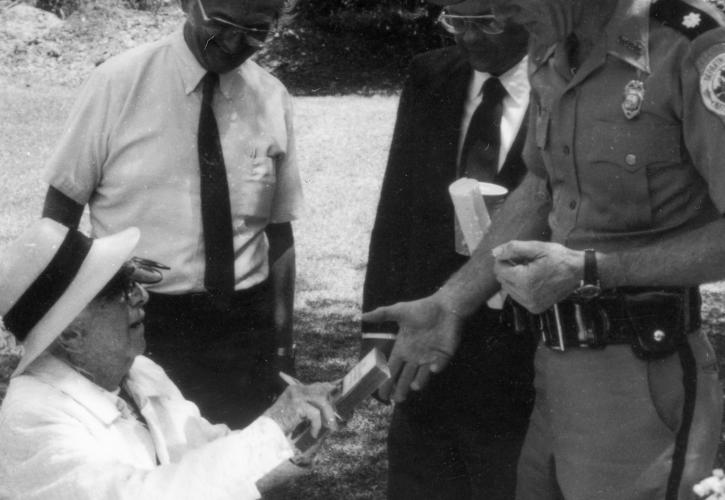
x: 129, y: 151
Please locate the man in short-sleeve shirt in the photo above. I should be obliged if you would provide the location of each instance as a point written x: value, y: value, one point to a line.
x: 130, y: 151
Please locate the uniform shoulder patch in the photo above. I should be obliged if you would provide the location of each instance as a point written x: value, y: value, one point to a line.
x: 711, y: 66
x: 691, y: 18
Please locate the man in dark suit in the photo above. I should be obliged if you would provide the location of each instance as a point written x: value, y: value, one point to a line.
x: 461, y: 436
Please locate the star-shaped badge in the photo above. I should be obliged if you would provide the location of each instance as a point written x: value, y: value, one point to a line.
x: 691, y: 20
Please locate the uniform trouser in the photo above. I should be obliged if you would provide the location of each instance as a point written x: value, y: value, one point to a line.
x: 609, y: 426
x: 220, y: 359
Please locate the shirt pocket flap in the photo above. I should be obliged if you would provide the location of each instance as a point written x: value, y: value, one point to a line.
x: 633, y: 146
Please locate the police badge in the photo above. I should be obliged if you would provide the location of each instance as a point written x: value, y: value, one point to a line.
x: 633, y: 99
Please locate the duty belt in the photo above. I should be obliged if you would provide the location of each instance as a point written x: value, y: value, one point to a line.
x: 653, y: 320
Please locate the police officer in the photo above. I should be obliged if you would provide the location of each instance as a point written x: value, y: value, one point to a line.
x: 604, y: 243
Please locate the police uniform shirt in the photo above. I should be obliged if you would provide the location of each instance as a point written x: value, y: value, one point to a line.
x: 619, y: 181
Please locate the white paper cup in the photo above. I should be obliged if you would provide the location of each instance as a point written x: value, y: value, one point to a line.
x: 493, y: 194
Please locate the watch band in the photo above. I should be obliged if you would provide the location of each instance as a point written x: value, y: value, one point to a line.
x: 591, y: 274
x: 589, y: 287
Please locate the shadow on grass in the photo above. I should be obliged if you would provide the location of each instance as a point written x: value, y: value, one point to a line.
x: 327, y: 336
x: 352, y: 462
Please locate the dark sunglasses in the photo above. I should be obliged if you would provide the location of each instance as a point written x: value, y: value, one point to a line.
x: 133, y: 273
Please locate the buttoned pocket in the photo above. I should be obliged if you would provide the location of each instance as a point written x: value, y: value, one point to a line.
x: 254, y: 189
x: 632, y: 146
x: 619, y: 160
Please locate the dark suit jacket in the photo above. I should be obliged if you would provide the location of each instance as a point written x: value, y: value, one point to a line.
x: 412, y: 249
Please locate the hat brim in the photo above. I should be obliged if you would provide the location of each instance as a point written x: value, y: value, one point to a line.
x: 104, y: 259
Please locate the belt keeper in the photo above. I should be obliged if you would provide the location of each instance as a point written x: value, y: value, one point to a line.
x: 559, y: 328
x: 686, y: 316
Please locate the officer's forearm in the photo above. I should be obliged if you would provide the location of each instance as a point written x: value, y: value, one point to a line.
x: 523, y: 216
x: 688, y: 259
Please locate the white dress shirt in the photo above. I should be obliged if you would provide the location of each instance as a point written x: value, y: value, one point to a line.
x: 516, y: 83
x: 129, y: 151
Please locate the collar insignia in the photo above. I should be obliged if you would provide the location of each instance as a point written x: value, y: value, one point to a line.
x: 635, y: 46
x: 692, y: 20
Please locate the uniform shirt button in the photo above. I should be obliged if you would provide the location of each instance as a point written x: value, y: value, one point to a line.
x: 565, y: 150
x: 572, y: 204
x: 630, y: 160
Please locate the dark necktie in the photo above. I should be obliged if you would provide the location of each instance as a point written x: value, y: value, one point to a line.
x: 479, y: 156
x: 216, y: 215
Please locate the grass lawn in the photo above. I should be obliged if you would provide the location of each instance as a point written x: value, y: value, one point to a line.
x: 342, y: 143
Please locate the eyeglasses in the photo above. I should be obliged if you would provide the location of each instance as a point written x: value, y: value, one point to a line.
x: 485, y: 23
x: 228, y: 32
x: 129, y: 279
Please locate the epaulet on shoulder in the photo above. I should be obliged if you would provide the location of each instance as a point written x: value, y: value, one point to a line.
x: 691, y: 18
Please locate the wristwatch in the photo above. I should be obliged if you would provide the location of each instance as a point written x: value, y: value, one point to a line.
x: 589, y: 287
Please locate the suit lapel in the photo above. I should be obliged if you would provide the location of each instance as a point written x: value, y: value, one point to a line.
x: 449, y: 93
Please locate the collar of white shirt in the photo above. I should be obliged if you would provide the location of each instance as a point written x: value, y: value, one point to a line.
x: 105, y: 405
x: 515, y: 81
x: 191, y: 72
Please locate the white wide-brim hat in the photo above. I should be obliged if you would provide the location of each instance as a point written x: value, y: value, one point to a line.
x: 49, y: 275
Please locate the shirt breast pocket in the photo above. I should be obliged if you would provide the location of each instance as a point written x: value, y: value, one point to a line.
x: 621, y: 162
x: 254, y: 186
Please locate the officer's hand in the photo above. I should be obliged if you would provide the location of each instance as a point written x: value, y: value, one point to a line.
x: 537, y: 274
x: 299, y: 403
x: 428, y: 336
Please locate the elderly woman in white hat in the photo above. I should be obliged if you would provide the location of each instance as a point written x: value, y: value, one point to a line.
x: 86, y: 416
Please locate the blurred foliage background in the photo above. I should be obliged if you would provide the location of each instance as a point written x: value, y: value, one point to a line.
x: 327, y: 47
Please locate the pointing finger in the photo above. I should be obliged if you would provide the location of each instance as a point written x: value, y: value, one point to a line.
x: 379, y: 315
